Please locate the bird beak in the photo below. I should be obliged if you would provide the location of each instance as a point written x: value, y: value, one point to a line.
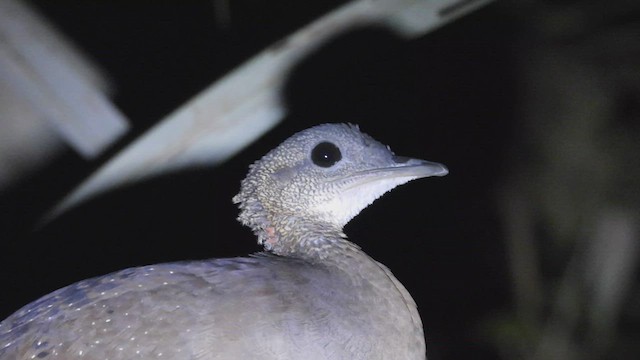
x: 398, y: 171
x: 415, y: 168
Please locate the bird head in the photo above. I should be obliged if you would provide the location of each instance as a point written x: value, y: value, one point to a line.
x: 321, y: 177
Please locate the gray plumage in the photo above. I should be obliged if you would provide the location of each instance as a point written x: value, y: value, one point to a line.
x: 311, y: 295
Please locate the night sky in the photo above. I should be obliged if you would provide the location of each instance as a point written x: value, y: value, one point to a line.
x: 445, y: 97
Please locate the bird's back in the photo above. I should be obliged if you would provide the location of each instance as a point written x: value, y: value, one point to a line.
x: 262, y: 307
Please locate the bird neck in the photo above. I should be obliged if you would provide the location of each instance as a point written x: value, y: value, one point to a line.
x: 294, y: 236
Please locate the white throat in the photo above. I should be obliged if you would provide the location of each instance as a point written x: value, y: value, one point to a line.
x: 348, y: 203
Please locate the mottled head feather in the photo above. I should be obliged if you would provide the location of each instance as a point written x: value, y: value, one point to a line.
x: 290, y: 200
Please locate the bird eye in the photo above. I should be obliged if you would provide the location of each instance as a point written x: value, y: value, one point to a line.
x: 325, y: 154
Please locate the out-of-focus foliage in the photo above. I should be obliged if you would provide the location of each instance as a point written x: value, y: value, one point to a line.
x: 571, y: 205
x: 50, y: 94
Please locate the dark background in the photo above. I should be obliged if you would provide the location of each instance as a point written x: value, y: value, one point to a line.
x: 447, y: 97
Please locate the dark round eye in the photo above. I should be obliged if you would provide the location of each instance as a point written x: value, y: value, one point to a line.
x: 325, y: 154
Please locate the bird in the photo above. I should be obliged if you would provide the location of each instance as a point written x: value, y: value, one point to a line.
x: 310, y: 294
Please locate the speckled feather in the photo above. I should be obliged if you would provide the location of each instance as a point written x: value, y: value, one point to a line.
x: 314, y: 295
